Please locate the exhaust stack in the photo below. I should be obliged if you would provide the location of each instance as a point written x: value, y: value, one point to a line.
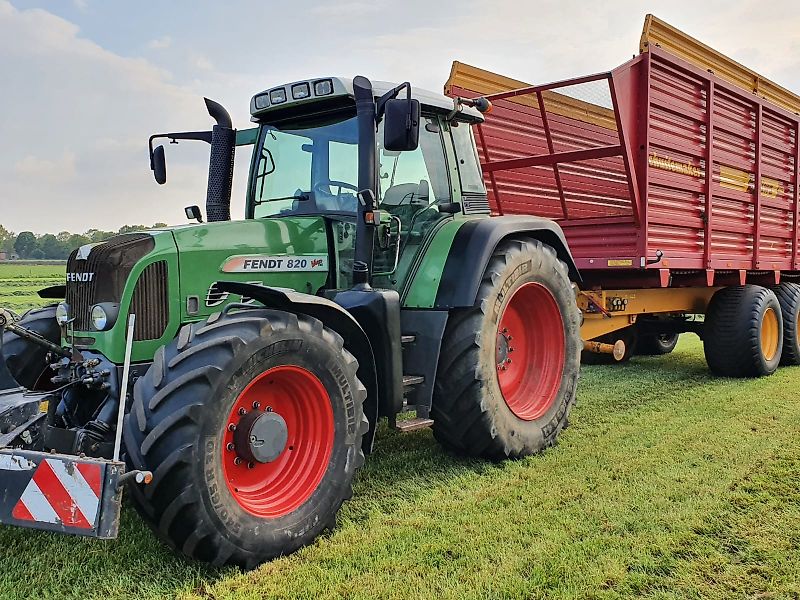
x: 220, y: 166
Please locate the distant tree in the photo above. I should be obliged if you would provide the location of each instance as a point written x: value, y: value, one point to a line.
x: 36, y: 254
x: 26, y: 244
x: 76, y: 240
x: 96, y: 235
x: 63, y: 236
x: 131, y: 228
x: 52, y: 248
x: 159, y: 225
x: 7, y: 239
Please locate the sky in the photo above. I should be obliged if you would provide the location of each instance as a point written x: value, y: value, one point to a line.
x: 84, y: 83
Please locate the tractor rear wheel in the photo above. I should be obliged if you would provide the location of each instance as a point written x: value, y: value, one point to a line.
x: 743, y: 333
x: 252, y: 425
x: 508, y: 368
x: 788, y: 295
x: 26, y: 360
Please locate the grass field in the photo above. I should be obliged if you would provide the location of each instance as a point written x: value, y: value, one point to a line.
x: 20, y: 282
x: 668, y: 484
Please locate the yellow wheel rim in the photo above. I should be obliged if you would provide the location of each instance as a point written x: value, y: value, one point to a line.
x: 769, y: 334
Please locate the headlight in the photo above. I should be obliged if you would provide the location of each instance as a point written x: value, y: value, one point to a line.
x: 104, y: 315
x: 62, y: 313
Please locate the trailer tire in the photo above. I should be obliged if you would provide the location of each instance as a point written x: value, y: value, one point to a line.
x: 743, y: 334
x: 26, y: 360
x: 629, y: 335
x: 525, y: 309
x: 788, y: 295
x: 656, y: 344
x: 205, y: 499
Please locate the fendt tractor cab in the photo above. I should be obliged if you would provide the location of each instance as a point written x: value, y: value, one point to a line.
x: 254, y: 358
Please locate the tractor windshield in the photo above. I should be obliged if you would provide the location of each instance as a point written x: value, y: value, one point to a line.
x: 308, y: 167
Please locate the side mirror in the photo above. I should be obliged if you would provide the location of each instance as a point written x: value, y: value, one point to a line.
x: 193, y: 212
x: 401, y: 125
x: 158, y: 163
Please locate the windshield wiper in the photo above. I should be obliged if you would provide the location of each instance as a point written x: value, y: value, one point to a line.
x: 301, y: 197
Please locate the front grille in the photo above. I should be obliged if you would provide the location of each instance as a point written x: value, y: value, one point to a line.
x: 150, y: 302
x: 101, y: 276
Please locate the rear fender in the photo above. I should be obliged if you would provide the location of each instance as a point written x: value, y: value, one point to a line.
x: 334, y: 316
x: 474, y: 245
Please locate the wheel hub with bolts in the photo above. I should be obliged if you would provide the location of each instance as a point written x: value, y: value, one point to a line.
x: 260, y: 436
x: 277, y: 441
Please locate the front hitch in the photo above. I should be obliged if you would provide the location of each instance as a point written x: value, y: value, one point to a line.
x: 7, y: 322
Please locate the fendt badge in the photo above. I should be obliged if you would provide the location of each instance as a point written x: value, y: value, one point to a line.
x: 79, y: 277
x: 256, y: 263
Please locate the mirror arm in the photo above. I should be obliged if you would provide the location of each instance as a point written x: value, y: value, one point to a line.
x: 200, y: 136
x: 390, y: 95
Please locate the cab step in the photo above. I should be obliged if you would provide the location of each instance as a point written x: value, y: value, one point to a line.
x: 409, y: 425
x: 412, y: 380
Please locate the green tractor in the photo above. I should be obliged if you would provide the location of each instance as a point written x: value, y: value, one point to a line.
x: 232, y: 373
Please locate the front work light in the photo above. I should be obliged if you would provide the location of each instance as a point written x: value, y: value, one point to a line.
x: 323, y: 87
x: 62, y: 313
x: 300, y: 91
x: 278, y: 96
x: 262, y: 101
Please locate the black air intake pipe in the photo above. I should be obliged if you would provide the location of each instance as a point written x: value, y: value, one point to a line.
x: 220, y: 165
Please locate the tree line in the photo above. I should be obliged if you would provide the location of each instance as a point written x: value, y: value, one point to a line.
x: 27, y: 244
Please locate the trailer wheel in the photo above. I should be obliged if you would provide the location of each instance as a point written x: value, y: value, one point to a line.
x: 656, y: 344
x: 251, y: 424
x: 26, y: 360
x: 743, y: 334
x: 788, y: 295
x: 508, y: 368
x: 629, y: 335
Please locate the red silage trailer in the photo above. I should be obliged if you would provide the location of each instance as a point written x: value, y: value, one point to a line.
x: 676, y: 188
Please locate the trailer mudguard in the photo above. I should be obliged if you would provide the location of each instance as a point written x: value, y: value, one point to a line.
x: 334, y: 316
x: 474, y: 244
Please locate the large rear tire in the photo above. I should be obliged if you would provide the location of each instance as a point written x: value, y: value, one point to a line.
x: 508, y: 368
x: 743, y: 334
x: 252, y: 425
x: 788, y: 295
x: 26, y: 360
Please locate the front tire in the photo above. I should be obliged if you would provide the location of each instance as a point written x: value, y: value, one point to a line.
x: 26, y: 360
x: 252, y: 424
x: 508, y: 368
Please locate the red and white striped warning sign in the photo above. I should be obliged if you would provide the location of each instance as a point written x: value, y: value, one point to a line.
x: 63, y: 493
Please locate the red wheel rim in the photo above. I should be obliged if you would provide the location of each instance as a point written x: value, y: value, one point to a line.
x: 530, y: 351
x: 275, y: 489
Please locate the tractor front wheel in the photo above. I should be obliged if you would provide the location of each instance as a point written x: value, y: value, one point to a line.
x: 508, y: 368
x: 252, y: 425
x: 25, y: 360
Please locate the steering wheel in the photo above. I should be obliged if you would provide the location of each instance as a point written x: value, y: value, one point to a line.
x: 340, y: 185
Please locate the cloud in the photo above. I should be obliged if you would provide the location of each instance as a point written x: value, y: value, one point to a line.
x: 80, y: 116
x: 52, y: 170
x: 160, y: 43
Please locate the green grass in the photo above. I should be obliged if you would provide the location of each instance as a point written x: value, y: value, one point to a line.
x: 670, y: 483
x: 20, y: 282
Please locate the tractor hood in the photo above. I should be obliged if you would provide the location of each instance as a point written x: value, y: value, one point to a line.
x: 167, y: 277
x: 289, y: 252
